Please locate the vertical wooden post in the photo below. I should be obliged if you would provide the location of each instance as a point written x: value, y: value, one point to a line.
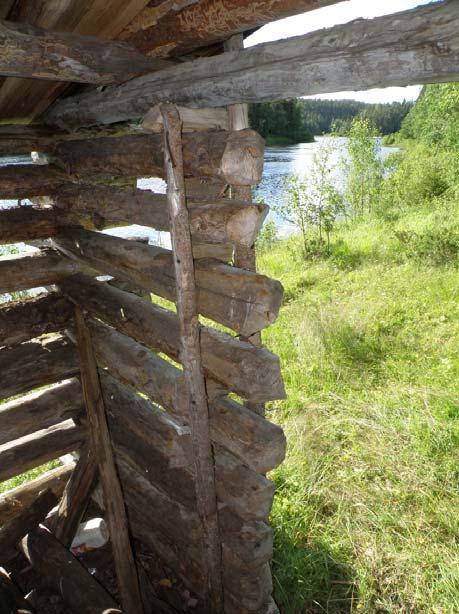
x: 244, y: 256
x: 191, y: 352
x: 102, y: 448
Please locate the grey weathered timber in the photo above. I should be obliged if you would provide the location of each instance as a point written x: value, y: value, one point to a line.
x: 250, y: 372
x: 211, y: 220
x: 231, y: 156
x: 190, y: 353
x: 60, y: 570
x: 28, y: 180
x: 40, y: 410
x: 21, y: 497
x: 31, y: 317
x: 36, y: 449
x: 30, y: 52
x: 101, y: 447
x: 36, y: 363
x: 257, y: 442
x: 242, y: 300
x: 44, y: 268
x: 75, y: 497
x: 26, y: 224
x: 192, y: 119
x: 418, y: 46
x: 26, y: 520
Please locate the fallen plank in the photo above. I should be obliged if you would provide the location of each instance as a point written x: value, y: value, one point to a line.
x: 242, y: 300
x: 251, y: 372
x: 28, y: 318
x: 33, y: 450
x: 418, y: 46
x: 40, y: 409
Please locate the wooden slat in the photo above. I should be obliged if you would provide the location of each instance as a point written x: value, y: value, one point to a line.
x: 251, y: 372
x: 28, y: 180
x: 28, y: 318
x: 418, y: 46
x: 20, y: 455
x: 101, y: 447
x: 241, y: 300
x: 235, y: 157
x: 31, y: 52
x: 34, y: 364
x: 40, y: 410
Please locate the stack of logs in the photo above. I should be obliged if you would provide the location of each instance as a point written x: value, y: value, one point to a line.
x: 137, y: 347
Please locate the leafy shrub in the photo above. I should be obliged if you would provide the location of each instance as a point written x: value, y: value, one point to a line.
x: 267, y: 236
x: 437, y: 246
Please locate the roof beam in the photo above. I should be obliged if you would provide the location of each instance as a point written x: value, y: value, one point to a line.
x: 27, y: 51
x: 417, y: 46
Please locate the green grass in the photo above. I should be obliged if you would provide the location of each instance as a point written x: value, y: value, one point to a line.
x: 26, y: 477
x: 366, y: 513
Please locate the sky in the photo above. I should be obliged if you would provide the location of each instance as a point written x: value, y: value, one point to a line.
x: 337, y: 14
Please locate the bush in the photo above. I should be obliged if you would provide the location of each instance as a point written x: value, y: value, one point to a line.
x: 267, y: 236
x: 436, y: 246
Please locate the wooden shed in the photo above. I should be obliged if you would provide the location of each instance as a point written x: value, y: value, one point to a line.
x: 144, y: 362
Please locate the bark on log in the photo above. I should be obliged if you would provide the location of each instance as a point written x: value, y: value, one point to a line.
x: 241, y: 300
x: 12, y: 532
x: 26, y: 181
x: 255, y: 441
x: 34, y: 364
x: 43, y: 268
x: 41, y: 409
x: 211, y: 221
x: 101, y: 447
x: 250, y: 372
x: 235, y: 157
x: 34, y: 450
x: 25, y: 319
x: 418, y: 46
x: 26, y: 224
x: 66, y: 575
x: 21, y: 497
x: 30, y: 52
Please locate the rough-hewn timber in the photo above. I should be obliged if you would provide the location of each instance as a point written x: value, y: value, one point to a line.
x: 241, y: 300
x: 418, y: 46
x: 26, y: 224
x: 251, y: 372
x: 25, y: 181
x: 30, y: 52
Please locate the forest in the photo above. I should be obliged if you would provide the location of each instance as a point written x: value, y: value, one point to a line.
x: 299, y: 120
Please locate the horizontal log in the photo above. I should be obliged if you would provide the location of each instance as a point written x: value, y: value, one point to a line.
x: 33, y: 450
x: 210, y: 220
x: 418, y: 46
x: 249, y: 371
x: 21, y: 497
x: 41, y: 409
x: 60, y: 570
x: 44, y: 268
x: 28, y: 318
x: 36, y: 363
x: 192, y: 119
x: 235, y: 157
x: 31, y: 52
x: 255, y: 441
x: 26, y: 224
x: 244, y: 301
x: 28, y: 180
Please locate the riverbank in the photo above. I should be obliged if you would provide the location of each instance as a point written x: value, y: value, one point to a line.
x: 284, y: 141
x: 365, y: 517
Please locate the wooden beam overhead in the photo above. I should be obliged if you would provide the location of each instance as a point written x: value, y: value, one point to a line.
x: 417, y: 46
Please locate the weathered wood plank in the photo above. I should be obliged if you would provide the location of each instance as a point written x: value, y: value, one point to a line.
x: 251, y: 372
x: 418, y: 46
x: 43, y: 268
x: 36, y: 363
x: 34, y: 450
x: 66, y: 575
x: 210, y: 220
x: 241, y: 300
x: 28, y: 318
x: 39, y: 410
x: 101, y: 447
x: 25, y: 521
x: 255, y: 441
x: 15, y: 500
x: 28, y: 180
x: 192, y: 119
x: 26, y: 224
x: 235, y: 157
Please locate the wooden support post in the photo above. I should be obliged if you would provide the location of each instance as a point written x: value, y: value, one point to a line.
x: 191, y: 353
x: 113, y: 495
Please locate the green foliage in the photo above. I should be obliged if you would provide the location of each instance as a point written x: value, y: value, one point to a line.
x: 280, y: 120
x: 267, y: 237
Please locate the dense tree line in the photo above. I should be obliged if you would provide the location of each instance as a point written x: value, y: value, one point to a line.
x: 298, y: 120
